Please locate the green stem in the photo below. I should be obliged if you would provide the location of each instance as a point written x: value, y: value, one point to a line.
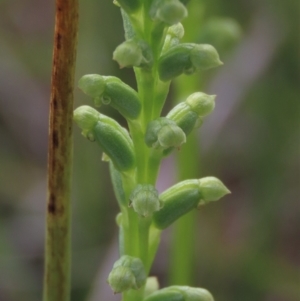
x: 144, y: 225
x: 147, y: 168
x: 182, y: 257
x: 154, y: 240
x: 58, y: 232
x: 152, y: 94
x: 130, y: 219
x: 182, y: 262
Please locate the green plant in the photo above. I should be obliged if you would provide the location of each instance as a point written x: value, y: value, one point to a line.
x: 153, y: 32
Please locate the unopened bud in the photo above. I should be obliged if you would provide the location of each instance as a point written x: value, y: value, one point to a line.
x: 176, y: 31
x: 187, y: 58
x: 188, y: 114
x: 92, y: 85
x: 111, y: 90
x: 121, y: 279
x: 174, y: 34
x: 211, y: 189
x: 163, y: 133
x: 128, y: 273
x: 112, y: 138
x: 144, y: 200
x: 201, y: 103
x: 186, y: 196
x: 128, y: 54
x: 168, y: 11
x: 115, y: 142
x: 133, y: 52
x: 204, y: 56
x: 86, y: 118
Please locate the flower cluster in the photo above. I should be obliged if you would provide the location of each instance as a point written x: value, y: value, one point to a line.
x: 152, y: 47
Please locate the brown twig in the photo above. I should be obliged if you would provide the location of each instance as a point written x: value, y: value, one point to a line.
x: 57, y: 261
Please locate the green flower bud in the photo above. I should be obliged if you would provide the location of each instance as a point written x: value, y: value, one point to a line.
x: 115, y: 142
x: 201, y: 103
x: 188, y: 122
x: 212, y: 189
x: 133, y: 52
x: 204, y: 56
x: 121, y: 97
x: 92, y: 85
x: 121, y: 279
x: 184, y: 117
x: 128, y: 54
x: 188, y: 114
x: 176, y: 31
x: 185, y: 196
x: 130, y: 5
x: 163, y: 133
x: 113, y: 139
x: 128, y: 273
x: 177, y: 201
x: 144, y: 199
x: 187, y: 58
x: 180, y: 293
x: 111, y: 90
x: 168, y: 11
x: 173, y: 37
x: 86, y: 118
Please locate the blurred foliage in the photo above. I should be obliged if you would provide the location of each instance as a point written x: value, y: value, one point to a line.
x: 248, y: 245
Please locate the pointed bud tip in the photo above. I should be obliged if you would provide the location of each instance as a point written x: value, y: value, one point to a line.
x: 204, y: 57
x: 201, y: 103
x: 212, y: 189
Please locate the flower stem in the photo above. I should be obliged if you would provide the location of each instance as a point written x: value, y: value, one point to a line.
x: 147, y: 170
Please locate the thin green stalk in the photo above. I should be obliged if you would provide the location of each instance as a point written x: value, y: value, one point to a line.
x: 130, y: 223
x: 184, y: 240
x: 58, y: 232
x: 144, y: 225
x: 182, y: 257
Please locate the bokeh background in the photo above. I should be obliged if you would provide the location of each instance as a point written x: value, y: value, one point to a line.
x: 247, y: 245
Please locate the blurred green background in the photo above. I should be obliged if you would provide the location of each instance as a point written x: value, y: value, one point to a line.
x: 247, y: 245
